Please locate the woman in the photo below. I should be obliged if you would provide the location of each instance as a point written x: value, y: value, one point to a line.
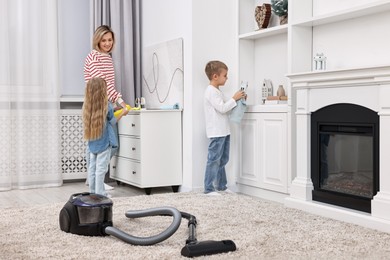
x: 99, y: 64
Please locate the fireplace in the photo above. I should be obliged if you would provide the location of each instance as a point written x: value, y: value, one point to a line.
x: 366, y: 90
x: 345, y: 155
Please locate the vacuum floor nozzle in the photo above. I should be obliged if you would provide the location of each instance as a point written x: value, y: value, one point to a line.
x: 208, y: 248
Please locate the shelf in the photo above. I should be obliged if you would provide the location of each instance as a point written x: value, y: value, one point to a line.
x: 356, y: 12
x: 264, y: 33
x: 277, y: 108
x: 365, y: 76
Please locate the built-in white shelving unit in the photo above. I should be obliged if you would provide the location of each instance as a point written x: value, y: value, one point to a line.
x: 350, y: 33
x: 371, y: 8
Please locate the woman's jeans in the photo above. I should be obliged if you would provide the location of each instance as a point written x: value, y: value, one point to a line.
x: 98, y: 166
x: 217, y: 158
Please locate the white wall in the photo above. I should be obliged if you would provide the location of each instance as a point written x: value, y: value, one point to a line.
x: 215, y: 33
x: 208, y: 29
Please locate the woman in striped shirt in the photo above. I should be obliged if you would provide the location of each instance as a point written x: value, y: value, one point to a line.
x: 99, y: 64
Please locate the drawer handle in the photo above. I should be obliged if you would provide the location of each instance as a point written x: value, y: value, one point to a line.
x: 133, y: 148
x: 114, y: 167
x: 133, y: 125
x: 134, y: 172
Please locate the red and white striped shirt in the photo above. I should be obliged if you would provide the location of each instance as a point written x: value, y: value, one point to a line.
x: 101, y: 65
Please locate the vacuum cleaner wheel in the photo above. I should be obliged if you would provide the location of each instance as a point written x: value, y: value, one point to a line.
x: 64, y: 220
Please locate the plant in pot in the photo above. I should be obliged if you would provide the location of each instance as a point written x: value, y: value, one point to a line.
x: 280, y: 8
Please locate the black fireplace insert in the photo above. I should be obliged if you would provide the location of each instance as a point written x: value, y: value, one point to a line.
x: 345, y: 155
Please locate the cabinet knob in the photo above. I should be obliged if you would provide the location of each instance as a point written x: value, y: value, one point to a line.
x: 133, y: 148
x: 133, y: 125
x: 134, y: 172
x: 114, y: 167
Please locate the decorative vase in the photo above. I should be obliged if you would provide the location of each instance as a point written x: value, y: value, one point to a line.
x: 283, y: 19
x: 263, y: 15
x: 280, y: 92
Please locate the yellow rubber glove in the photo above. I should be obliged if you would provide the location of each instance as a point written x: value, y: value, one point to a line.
x: 119, y: 111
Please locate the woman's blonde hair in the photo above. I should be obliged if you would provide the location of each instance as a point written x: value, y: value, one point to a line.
x: 98, y: 35
x: 95, y: 108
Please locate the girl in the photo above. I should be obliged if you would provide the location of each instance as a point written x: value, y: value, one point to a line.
x: 98, y: 120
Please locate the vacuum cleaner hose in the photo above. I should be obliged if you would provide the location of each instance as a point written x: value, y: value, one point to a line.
x: 145, y: 241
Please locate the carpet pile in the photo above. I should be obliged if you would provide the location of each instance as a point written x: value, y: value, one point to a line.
x: 261, y: 230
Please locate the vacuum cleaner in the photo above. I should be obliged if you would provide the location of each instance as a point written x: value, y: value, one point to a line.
x: 91, y: 215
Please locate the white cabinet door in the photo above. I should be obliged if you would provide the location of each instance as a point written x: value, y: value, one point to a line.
x: 273, y: 151
x: 263, y: 142
x: 249, y: 145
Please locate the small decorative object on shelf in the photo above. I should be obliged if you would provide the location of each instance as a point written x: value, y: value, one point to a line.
x: 280, y: 8
x: 263, y: 15
x: 266, y: 90
x: 274, y: 100
x: 319, y: 62
x: 280, y: 92
x: 143, y: 103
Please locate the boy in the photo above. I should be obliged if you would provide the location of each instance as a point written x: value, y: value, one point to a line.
x: 217, y: 127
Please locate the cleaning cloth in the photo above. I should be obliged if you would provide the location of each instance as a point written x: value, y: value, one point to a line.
x: 170, y: 107
x: 119, y: 111
x: 238, y: 111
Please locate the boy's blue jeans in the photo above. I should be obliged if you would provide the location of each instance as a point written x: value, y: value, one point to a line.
x: 217, y: 158
x: 98, y: 166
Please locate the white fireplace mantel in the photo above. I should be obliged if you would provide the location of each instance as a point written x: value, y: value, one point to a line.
x: 368, y: 87
x: 341, y: 78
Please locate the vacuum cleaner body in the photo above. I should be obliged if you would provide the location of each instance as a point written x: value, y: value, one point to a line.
x: 86, y: 214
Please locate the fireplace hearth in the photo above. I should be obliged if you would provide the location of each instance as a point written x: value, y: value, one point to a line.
x: 345, y: 155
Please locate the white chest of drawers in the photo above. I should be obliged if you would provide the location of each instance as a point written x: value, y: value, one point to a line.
x: 150, y: 150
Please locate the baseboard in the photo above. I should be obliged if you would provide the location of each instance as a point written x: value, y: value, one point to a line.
x: 339, y: 213
x: 261, y: 193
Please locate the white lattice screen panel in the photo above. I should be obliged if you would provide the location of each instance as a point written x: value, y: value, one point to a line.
x: 72, y: 145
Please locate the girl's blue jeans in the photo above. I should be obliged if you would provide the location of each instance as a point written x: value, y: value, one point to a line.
x: 113, y: 150
x: 217, y: 158
x: 98, y: 167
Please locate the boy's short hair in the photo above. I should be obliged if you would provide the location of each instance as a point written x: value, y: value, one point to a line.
x: 214, y: 67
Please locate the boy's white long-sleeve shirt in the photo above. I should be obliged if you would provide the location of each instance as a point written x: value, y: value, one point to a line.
x: 216, y: 110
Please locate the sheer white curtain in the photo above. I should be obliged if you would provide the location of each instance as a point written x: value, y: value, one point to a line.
x: 30, y: 154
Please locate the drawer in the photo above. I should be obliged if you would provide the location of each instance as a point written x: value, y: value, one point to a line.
x: 129, y: 125
x: 129, y: 147
x: 126, y: 170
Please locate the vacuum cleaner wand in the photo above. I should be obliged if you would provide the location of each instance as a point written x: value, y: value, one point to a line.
x: 194, y: 248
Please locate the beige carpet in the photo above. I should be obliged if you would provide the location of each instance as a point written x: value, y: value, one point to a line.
x: 260, y: 229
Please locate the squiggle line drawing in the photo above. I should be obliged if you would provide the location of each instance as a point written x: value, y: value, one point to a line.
x: 155, y: 65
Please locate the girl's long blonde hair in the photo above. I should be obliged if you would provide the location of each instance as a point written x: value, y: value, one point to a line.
x: 95, y: 108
